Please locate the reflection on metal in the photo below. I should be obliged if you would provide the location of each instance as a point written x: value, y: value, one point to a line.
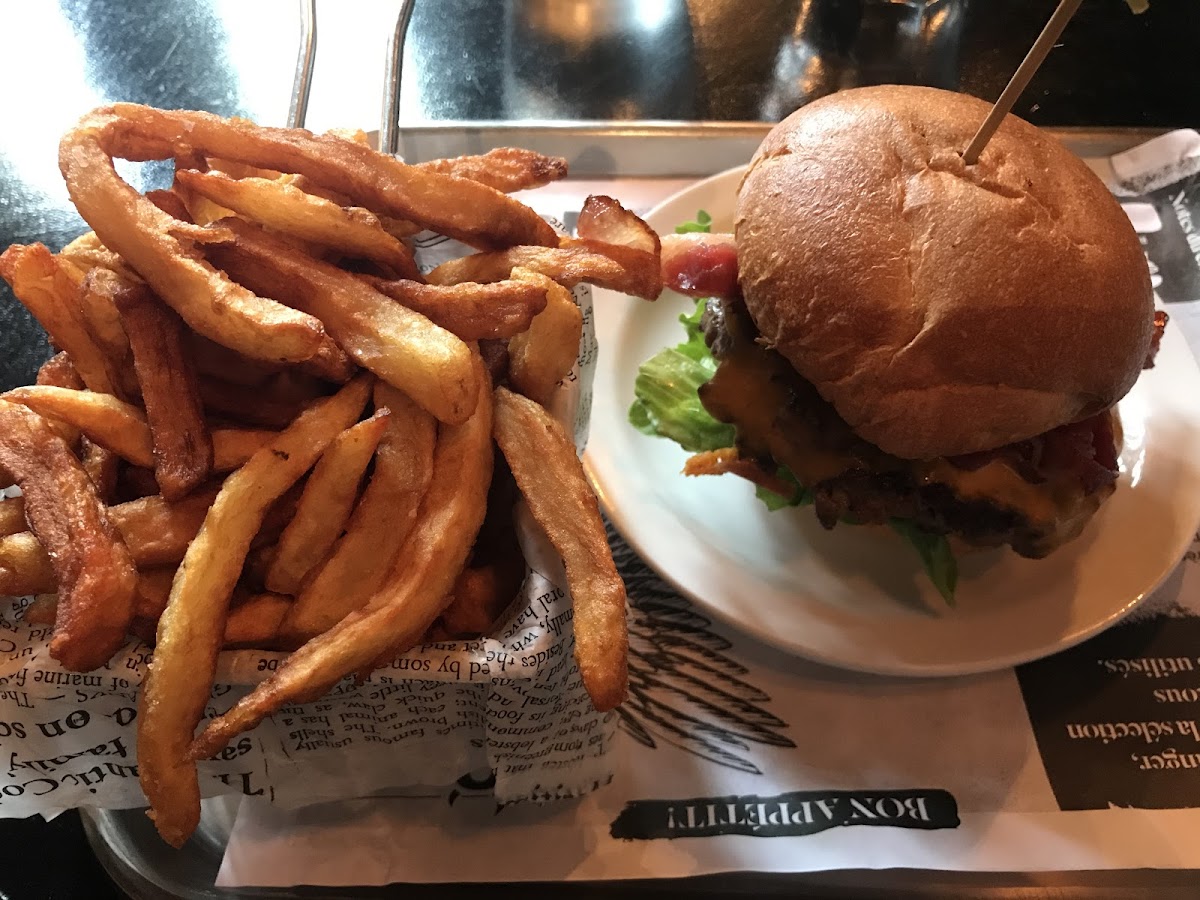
x: 302, y: 85
x: 389, y: 138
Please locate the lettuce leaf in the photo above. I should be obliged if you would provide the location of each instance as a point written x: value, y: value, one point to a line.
x: 667, y: 391
x: 703, y: 223
x: 935, y: 553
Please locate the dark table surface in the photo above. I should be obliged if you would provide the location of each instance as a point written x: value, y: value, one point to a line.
x: 523, y: 59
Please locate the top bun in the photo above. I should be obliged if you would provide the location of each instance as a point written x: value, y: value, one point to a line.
x: 941, y: 308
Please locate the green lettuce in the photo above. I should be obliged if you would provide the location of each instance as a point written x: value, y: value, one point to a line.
x: 667, y: 391
x: 667, y: 404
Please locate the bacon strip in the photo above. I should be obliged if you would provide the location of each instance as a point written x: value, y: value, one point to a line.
x: 728, y: 460
x: 700, y: 265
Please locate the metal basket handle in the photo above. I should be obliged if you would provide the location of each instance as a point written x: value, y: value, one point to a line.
x: 389, y: 124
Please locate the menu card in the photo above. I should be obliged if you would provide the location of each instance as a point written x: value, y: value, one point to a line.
x: 735, y: 757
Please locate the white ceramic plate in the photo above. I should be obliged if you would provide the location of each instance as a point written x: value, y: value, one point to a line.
x: 855, y: 597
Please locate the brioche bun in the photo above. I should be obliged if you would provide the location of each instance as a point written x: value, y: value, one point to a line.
x: 941, y: 308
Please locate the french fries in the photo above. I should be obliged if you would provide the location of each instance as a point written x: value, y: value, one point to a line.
x: 325, y: 504
x: 50, y: 290
x: 122, y: 427
x: 24, y: 565
x: 92, y: 565
x: 543, y: 355
x: 379, y: 525
x: 572, y: 263
x: 180, y: 439
x: 398, y: 615
x: 287, y: 210
x: 402, y: 347
x: 12, y: 516
x: 543, y: 461
x: 200, y: 464
x: 472, y: 311
x: 506, y: 169
x: 192, y: 626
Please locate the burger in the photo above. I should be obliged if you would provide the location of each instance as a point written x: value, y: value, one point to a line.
x: 896, y: 337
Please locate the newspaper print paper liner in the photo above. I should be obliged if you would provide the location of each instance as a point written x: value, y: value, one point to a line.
x: 511, y: 704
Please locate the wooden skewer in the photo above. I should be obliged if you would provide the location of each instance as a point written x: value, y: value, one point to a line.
x: 1020, y: 80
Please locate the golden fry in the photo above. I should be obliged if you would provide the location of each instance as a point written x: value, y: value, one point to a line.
x: 50, y: 291
x: 86, y: 252
x: 101, y: 466
x: 254, y: 622
x: 12, y: 516
x: 191, y: 629
x: 548, y: 472
x: 479, y: 596
x: 325, y: 505
x: 506, y: 169
x: 182, y: 445
x: 604, y: 219
x: 58, y: 371
x: 122, y: 427
x: 24, y: 566
x: 379, y: 525
x: 412, y: 598
x: 287, y: 210
x: 273, y: 404
x: 545, y: 354
x: 402, y: 347
x: 163, y: 251
x: 471, y: 212
x: 471, y: 311
x: 616, y: 268
x: 92, y: 566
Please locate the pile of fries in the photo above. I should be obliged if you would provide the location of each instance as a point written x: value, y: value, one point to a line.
x: 264, y: 428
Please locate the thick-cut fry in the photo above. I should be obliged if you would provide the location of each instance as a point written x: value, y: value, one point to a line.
x: 604, y: 219
x: 228, y: 365
x: 24, y: 566
x: 86, y: 252
x: 401, y: 612
x: 472, y: 311
x: 100, y: 314
x: 254, y: 622
x: 547, y: 470
x: 12, y: 516
x: 43, y: 610
x: 92, y: 565
x: 325, y: 504
x: 543, y: 355
x: 162, y: 250
x: 111, y: 423
x: 101, y: 466
x: 471, y: 212
x: 478, y: 599
x: 157, y: 533
x: 273, y: 404
x: 192, y: 626
x: 506, y: 169
x: 122, y: 428
x: 172, y: 204
x: 402, y: 347
x: 50, y: 291
x: 352, y: 231
x: 58, y: 371
x: 379, y: 524
x: 182, y: 445
x: 153, y: 590
x: 630, y: 272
